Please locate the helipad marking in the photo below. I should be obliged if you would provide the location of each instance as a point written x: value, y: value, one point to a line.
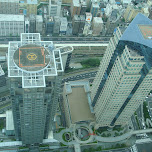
x: 31, y: 56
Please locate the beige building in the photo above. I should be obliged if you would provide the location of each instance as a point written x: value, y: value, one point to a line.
x: 75, y: 8
x: 32, y: 7
x: 77, y: 103
x: 97, y: 26
x: 131, y: 13
x: 124, y: 76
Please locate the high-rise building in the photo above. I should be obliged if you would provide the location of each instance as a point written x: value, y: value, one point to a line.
x: 9, y: 6
x: 11, y: 25
x: 34, y: 69
x: 124, y: 77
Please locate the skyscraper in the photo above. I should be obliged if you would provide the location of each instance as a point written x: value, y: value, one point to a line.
x: 34, y: 68
x: 125, y: 73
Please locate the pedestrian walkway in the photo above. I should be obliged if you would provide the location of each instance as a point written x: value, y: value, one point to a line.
x: 58, y: 136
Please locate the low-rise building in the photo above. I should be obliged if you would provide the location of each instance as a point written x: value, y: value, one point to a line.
x: 77, y: 103
x: 49, y: 26
x: 63, y: 25
x: 32, y: 19
x: 11, y: 25
x: 9, y: 6
x: 54, y: 7
x: 32, y: 7
x: 94, y: 8
x: 75, y: 8
x: 39, y: 23
x: 57, y: 23
x: 97, y: 26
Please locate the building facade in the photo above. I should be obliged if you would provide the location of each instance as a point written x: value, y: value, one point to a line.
x: 54, y: 7
x: 39, y: 23
x: 97, y: 26
x: 9, y: 7
x: 34, y: 69
x: 11, y: 25
x: 124, y: 77
x: 94, y: 8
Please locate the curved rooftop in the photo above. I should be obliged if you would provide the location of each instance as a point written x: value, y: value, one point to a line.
x: 31, y: 57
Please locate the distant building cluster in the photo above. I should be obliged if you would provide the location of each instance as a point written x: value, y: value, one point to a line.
x: 70, y: 17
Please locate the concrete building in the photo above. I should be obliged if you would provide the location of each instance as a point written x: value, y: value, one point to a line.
x: 75, y: 8
x: 54, y: 7
x: 83, y: 7
x: 32, y: 7
x: 34, y: 69
x: 32, y: 19
x: 124, y: 76
x: 108, y: 10
x: 112, y: 23
x: 9, y: 6
x: 27, y: 25
x: 82, y: 23
x: 63, y: 25
x: 77, y: 103
x: 57, y: 23
x: 11, y: 25
x: 75, y: 24
x: 9, y: 123
x: 94, y: 8
x: 97, y: 26
x: 78, y: 24
x: 39, y: 23
x: 49, y: 26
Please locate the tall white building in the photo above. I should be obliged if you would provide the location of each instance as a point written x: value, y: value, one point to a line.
x: 125, y: 73
x: 11, y: 25
x: 54, y: 7
x: 39, y: 23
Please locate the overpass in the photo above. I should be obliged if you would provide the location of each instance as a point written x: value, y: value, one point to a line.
x: 68, y: 44
x: 122, y: 137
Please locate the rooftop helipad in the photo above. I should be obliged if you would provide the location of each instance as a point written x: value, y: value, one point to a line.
x: 31, y: 57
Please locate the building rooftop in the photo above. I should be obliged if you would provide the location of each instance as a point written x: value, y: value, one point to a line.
x: 134, y: 53
x: 139, y: 32
x: 39, y: 18
x: 8, y: 17
x: 31, y: 1
x: 97, y: 20
x: 31, y: 57
x: 9, y: 120
x: 77, y: 94
x: 76, y: 3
